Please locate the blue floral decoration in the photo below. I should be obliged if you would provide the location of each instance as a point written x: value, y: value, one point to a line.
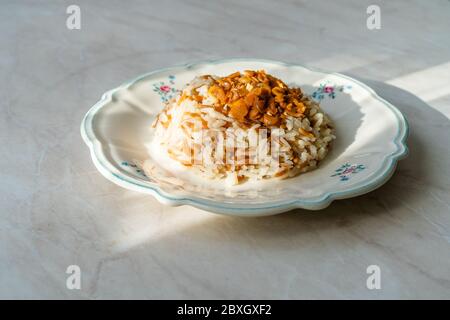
x: 165, y: 90
x: 345, y: 171
x: 329, y: 90
x: 134, y: 168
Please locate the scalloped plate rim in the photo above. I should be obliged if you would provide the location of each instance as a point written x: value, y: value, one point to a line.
x: 317, y: 203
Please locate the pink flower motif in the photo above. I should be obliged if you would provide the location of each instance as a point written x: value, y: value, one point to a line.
x: 349, y: 170
x: 164, y: 88
x: 328, y: 89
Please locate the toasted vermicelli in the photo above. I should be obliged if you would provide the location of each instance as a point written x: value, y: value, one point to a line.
x: 247, y: 125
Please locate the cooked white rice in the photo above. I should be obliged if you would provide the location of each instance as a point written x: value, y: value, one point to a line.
x: 203, y: 139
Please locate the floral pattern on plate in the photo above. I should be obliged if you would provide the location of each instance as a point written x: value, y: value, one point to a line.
x: 327, y: 89
x: 134, y: 168
x: 165, y: 90
x: 346, y: 170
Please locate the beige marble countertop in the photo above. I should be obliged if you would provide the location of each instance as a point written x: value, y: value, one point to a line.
x: 56, y: 210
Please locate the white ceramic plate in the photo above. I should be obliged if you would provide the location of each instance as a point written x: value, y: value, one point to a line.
x: 371, y: 135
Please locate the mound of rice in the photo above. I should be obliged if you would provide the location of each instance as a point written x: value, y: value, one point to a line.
x: 245, y: 126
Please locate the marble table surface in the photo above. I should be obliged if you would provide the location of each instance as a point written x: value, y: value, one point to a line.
x: 56, y: 210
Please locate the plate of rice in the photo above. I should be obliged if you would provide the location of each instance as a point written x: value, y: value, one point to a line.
x: 245, y: 137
